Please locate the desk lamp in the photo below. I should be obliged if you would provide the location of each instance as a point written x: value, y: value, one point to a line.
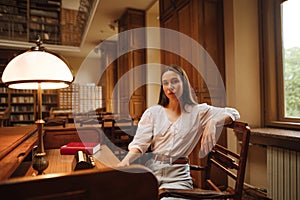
x: 38, y: 69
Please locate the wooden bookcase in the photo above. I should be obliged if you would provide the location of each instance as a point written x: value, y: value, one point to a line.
x: 5, y: 57
x: 23, y: 106
x: 4, y: 101
x: 44, y: 20
x: 13, y: 19
x: 23, y: 20
x: 49, y: 100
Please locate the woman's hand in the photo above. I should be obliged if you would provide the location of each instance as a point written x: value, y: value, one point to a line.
x: 209, y: 135
x: 123, y: 164
x: 131, y: 156
x: 208, y: 139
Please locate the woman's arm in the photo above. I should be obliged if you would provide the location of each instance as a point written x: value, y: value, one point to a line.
x: 131, y: 156
x: 141, y: 140
x: 210, y: 134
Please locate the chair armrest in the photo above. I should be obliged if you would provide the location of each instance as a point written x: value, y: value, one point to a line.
x: 197, y: 168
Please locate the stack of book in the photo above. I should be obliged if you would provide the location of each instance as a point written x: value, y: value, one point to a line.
x: 73, y: 147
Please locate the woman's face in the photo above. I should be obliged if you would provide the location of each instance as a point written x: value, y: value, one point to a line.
x: 172, y: 85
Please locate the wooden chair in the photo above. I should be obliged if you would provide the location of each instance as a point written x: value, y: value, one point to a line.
x: 131, y: 183
x: 230, y: 163
x: 55, y: 121
x: 122, y: 133
x: 4, y: 116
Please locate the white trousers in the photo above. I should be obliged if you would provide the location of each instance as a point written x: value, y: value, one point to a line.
x: 175, y: 176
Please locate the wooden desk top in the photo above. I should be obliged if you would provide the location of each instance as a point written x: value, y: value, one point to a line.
x: 11, y: 137
x: 58, y: 163
x: 16, y: 144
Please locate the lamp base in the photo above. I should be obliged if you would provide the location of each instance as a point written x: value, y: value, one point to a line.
x: 40, y: 162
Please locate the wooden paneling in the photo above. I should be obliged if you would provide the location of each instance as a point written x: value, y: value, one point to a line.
x: 109, y: 76
x: 131, y: 90
x: 202, y: 20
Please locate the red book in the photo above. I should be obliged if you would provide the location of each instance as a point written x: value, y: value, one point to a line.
x: 72, y: 148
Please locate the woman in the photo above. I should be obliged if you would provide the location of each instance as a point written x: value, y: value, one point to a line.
x: 173, y: 128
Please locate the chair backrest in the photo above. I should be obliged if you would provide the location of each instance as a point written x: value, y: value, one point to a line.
x: 4, y: 116
x: 122, y: 133
x: 131, y: 183
x: 124, y: 127
x: 233, y: 164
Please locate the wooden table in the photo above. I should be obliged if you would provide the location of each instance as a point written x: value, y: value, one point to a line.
x: 134, y: 182
x: 15, y: 144
x: 58, y: 163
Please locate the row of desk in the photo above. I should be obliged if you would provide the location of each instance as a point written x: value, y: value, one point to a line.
x: 104, y: 181
x: 17, y: 143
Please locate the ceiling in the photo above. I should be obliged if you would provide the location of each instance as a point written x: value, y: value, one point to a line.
x: 103, y: 22
x: 101, y: 25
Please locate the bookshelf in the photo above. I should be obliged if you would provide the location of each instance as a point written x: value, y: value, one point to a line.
x: 44, y: 20
x: 23, y: 20
x: 3, y: 89
x: 3, y: 97
x: 23, y: 107
x: 49, y: 100
x: 13, y: 19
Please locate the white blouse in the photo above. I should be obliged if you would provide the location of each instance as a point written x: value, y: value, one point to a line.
x: 180, y: 137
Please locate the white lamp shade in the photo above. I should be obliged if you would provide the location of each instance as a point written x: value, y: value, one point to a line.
x: 31, y: 68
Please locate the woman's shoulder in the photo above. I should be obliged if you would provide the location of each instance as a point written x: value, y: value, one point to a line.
x: 154, y: 109
x: 196, y: 107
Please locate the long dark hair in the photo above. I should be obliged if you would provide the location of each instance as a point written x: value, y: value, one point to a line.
x: 187, y: 97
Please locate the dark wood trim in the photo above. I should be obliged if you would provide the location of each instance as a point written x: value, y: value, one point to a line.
x: 287, y: 139
x: 271, y: 61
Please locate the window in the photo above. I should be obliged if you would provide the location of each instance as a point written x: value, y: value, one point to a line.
x: 280, y: 62
x: 291, y: 58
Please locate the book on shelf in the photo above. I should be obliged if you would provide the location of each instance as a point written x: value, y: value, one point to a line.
x: 72, y: 148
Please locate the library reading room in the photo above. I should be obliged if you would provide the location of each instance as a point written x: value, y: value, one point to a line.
x: 149, y: 99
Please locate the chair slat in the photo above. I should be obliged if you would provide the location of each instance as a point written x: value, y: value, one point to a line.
x: 226, y: 151
x: 228, y: 172
x: 225, y: 160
